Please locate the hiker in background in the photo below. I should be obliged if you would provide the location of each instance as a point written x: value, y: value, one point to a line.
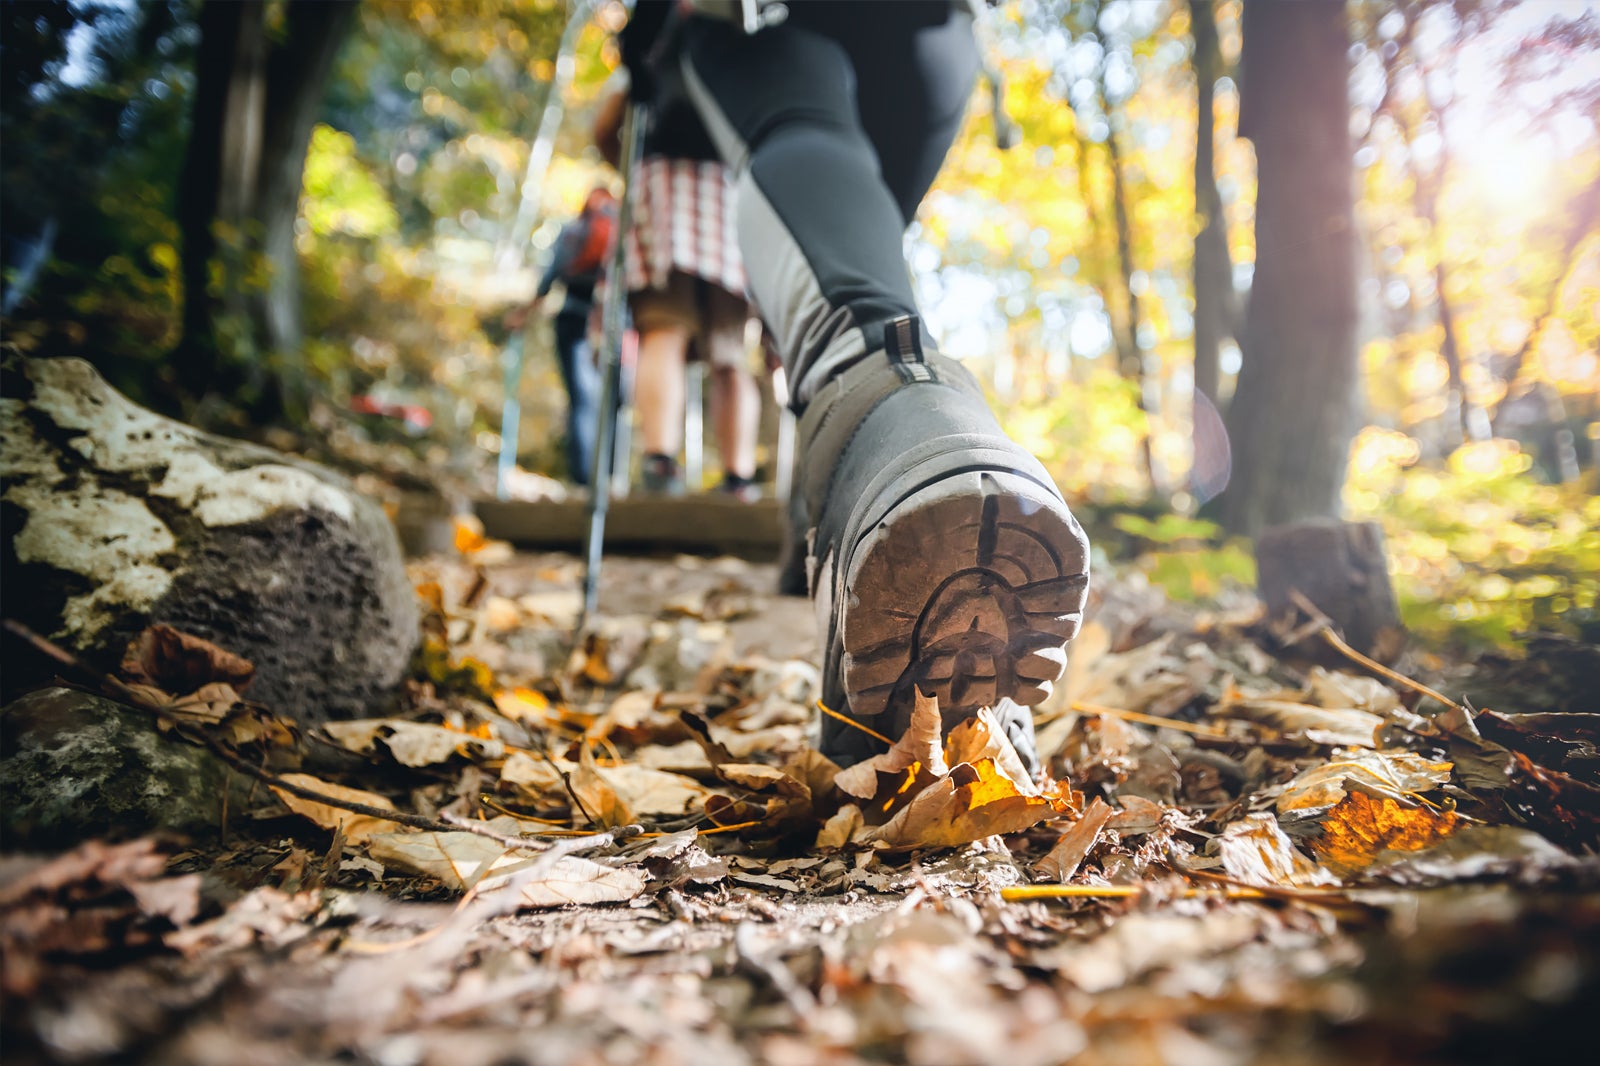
x: 686, y: 293
x: 579, y: 258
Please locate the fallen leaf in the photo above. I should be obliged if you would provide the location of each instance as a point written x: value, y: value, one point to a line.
x: 499, y: 615
x: 459, y: 860
x: 523, y: 705
x: 577, y: 880
x: 841, y: 828
x: 1137, y: 816
x: 1256, y: 851
x: 170, y: 659
x: 1472, y: 852
x: 411, y: 743
x: 1344, y: 727
x: 1396, y: 774
x: 1362, y: 827
x: 357, y: 827
x: 1063, y: 860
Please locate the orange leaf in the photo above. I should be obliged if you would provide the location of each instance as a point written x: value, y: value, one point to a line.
x: 1360, y: 828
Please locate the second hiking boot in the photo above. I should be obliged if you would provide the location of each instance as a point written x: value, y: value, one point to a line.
x: 942, y: 556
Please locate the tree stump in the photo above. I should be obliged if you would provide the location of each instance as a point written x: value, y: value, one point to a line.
x: 1342, y: 568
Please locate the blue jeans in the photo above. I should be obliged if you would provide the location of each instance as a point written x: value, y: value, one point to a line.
x: 582, y: 379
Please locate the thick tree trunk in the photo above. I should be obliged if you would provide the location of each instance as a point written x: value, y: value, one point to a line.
x: 1214, y: 310
x: 1295, y: 410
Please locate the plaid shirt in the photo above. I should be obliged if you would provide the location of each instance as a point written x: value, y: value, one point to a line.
x: 683, y: 219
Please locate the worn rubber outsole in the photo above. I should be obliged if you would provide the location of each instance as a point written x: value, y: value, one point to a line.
x: 968, y: 589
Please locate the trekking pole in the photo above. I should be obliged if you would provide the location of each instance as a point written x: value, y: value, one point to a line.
x: 511, y: 359
x: 611, y: 317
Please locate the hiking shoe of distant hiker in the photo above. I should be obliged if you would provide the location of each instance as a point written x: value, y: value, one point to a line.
x: 942, y: 557
x: 743, y: 489
x: 659, y: 475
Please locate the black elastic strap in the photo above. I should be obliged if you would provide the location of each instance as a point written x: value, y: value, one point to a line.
x: 902, y: 339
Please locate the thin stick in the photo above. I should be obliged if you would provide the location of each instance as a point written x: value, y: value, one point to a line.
x: 1026, y: 892
x: 1337, y: 643
x: 124, y: 694
x: 533, y: 843
x: 852, y: 722
x: 1315, y: 897
x: 1148, y: 719
x: 566, y: 780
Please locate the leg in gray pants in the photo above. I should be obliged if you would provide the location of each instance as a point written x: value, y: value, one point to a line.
x: 941, y: 557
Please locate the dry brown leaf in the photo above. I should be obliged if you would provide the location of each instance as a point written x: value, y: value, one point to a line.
x: 577, y: 880
x: 840, y: 829
x: 358, y: 828
x: 1362, y: 827
x: 917, y: 755
x: 1338, y: 727
x: 1396, y: 774
x: 460, y: 860
x: 411, y: 743
x: 207, y: 705
x: 1256, y: 851
x: 1063, y: 860
x: 170, y: 659
x: 974, y: 801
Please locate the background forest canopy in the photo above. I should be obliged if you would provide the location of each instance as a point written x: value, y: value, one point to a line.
x: 251, y: 213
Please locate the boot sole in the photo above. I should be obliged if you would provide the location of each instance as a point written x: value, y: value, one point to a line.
x: 969, y: 590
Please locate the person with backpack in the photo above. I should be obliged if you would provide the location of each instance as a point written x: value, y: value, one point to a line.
x: 577, y: 263
x: 686, y: 293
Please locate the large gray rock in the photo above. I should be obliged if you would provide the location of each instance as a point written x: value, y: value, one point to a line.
x: 115, y: 517
x: 76, y: 766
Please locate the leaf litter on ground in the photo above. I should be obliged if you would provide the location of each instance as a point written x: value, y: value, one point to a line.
x: 640, y: 854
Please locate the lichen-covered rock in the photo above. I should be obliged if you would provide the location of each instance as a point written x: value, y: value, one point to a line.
x: 76, y: 766
x: 115, y: 517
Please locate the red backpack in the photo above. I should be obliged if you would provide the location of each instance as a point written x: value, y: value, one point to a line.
x: 600, y: 222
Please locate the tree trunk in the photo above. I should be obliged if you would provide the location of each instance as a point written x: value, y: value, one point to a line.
x: 1214, y: 310
x: 297, y: 72
x: 1295, y: 410
x: 219, y: 171
x: 255, y: 103
x: 1131, y: 359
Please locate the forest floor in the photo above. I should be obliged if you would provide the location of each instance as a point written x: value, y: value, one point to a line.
x: 1249, y: 849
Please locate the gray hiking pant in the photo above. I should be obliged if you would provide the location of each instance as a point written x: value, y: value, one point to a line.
x: 836, y: 122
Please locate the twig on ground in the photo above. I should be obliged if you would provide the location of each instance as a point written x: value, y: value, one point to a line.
x: 127, y: 695
x: 852, y: 723
x: 528, y: 842
x: 566, y: 781
x: 1147, y: 719
x: 1333, y: 640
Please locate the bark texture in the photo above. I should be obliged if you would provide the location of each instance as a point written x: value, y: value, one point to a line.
x: 1295, y: 410
x: 1339, y: 566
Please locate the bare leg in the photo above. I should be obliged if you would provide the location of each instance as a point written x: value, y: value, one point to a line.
x: 735, y: 415
x: 658, y: 389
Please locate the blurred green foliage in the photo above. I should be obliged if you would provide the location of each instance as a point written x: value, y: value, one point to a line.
x: 1480, y: 551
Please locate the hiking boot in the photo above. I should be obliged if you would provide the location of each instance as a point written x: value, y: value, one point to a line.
x: 942, y: 557
x: 659, y: 475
